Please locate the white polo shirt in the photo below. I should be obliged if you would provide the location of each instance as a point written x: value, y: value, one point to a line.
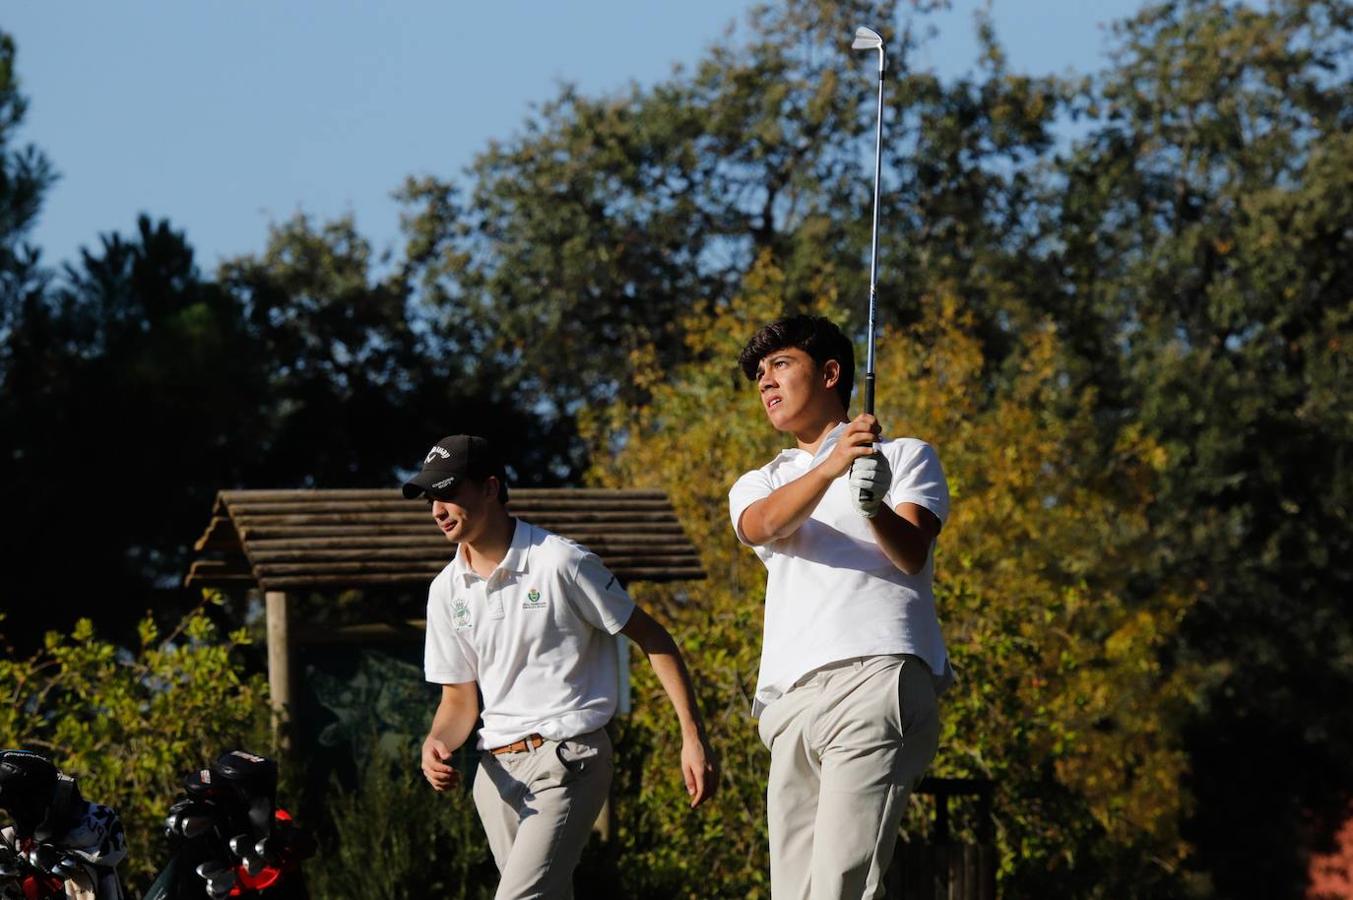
x: 536, y: 635
x: 831, y: 593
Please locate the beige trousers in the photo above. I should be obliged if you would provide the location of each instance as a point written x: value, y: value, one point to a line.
x: 848, y: 744
x: 538, y: 807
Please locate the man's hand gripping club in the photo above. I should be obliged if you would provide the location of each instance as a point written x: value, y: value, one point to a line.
x: 870, y: 475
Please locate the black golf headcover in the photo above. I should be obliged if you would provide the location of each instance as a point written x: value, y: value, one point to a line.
x: 64, y: 811
x: 252, y: 779
x: 27, y: 781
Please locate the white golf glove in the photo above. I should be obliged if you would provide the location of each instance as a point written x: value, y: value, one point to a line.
x: 870, y: 478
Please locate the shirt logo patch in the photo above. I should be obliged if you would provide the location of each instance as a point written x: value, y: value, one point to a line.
x: 533, y: 600
x: 460, y: 612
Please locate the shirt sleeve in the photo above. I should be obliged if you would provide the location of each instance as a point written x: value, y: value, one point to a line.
x: 748, y: 489
x: 598, y: 597
x: 919, y: 479
x: 446, y: 658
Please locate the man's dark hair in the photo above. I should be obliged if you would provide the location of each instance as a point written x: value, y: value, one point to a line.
x: 815, y: 335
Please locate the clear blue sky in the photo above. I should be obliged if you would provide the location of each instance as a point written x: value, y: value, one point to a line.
x: 226, y: 116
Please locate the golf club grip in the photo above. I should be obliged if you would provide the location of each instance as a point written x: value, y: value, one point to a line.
x: 869, y: 393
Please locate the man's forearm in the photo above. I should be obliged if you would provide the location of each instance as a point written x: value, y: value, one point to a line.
x: 781, y: 513
x: 676, y: 681
x: 663, y: 655
x: 453, y: 721
x: 905, y: 543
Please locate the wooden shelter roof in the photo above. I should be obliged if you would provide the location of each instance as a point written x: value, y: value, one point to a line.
x: 287, y: 540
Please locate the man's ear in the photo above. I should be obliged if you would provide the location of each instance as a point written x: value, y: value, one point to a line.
x: 831, y: 373
x: 491, y: 485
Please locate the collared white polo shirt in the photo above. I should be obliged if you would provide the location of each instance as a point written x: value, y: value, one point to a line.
x: 536, y: 635
x: 831, y: 593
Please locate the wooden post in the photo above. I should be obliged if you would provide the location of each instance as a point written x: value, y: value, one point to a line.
x: 280, y: 682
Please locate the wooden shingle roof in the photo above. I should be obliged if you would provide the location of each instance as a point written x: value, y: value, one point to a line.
x: 286, y: 540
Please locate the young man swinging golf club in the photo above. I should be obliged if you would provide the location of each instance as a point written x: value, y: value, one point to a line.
x: 526, y: 618
x: 852, y: 657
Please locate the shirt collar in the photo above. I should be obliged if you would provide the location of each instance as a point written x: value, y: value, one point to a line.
x: 515, y: 560
x: 519, y: 552
x: 797, y: 456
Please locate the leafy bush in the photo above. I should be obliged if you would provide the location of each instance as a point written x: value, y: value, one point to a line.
x: 389, y: 835
x: 129, y: 724
x: 394, y: 838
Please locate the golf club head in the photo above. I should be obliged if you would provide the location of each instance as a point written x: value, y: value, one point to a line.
x: 44, y: 858
x: 212, y: 868
x: 66, y: 868
x: 220, y: 885
x: 866, y: 39
x: 191, y: 826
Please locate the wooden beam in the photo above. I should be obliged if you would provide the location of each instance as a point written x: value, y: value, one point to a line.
x: 420, y: 518
x: 409, y: 631
x: 421, y: 579
x: 404, y: 507
x: 280, y: 671
x: 282, y: 496
x: 582, y: 532
x: 220, y: 535
x: 431, y: 538
x: 441, y: 554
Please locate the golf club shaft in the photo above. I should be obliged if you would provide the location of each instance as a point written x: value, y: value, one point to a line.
x: 874, y: 251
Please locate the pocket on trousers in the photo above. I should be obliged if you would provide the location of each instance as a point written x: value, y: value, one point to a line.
x: 913, y: 695
x: 584, y: 753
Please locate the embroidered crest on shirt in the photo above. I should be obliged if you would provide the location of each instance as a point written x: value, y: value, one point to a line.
x: 460, y: 613
x: 533, y: 600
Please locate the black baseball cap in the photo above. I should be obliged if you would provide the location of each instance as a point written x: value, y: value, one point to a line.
x: 451, y: 460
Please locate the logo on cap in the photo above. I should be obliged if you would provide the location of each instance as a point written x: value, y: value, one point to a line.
x: 436, y: 451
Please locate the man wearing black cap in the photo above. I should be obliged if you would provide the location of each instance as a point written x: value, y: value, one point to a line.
x: 526, y: 618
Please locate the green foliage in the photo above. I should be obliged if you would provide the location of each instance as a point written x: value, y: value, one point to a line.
x: 389, y: 835
x: 1206, y: 258
x: 394, y: 838
x: 596, y: 231
x: 129, y: 724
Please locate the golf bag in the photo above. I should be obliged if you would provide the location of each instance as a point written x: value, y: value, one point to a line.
x: 59, y: 845
x: 228, y: 838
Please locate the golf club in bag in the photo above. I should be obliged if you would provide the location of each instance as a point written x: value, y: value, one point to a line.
x: 59, y: 844
x: 228, y: 837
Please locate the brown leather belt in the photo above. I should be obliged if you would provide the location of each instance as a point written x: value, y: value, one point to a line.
x: 530, y: 742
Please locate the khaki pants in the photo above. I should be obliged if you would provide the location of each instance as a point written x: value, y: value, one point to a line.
x: 538, y: 807
x: 848, y: 744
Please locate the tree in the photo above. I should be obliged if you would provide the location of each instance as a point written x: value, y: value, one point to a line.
x: 1204, y: 254
x: 25, y: 175
x: 604, y: 224
x: 130, y: 724
x: 127, y: 382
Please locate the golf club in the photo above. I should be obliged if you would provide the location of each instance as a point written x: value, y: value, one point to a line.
x: 866, y: 39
